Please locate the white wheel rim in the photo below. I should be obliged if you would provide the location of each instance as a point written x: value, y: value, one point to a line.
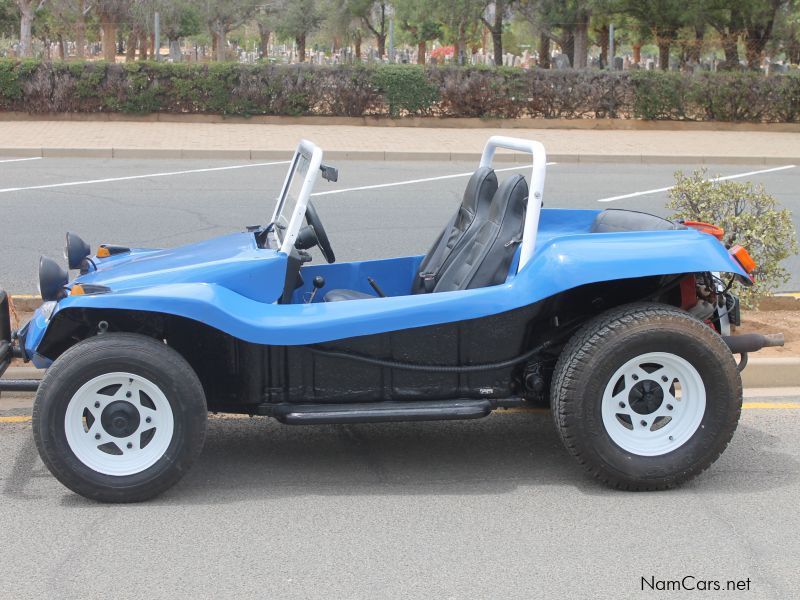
x: 653, y: 404
x: 119, y: 424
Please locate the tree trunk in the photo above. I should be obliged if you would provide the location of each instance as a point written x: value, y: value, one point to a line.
x: 25, y: 25
x: 301, y: 47
x: 62, y: 53
x: 143, y: 46
x: 637, y: 53
x: 381, y: 39
x: 731, y: 48
x: 80, y: 32
x: 357, y: 48
x: 497, y: 32
x: 109, y: 31
x: 544, y: 50
x: 422, y: 47
x: 581, y: 43
x: 568, y: 47
x: 663, y: 53
x: 263, y: 34
x: 130, y: 50
x: 221, y: 43
x: 602, y: 33
x: 695, y: 46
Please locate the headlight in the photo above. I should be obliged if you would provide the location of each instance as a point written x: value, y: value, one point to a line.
x: 75, y: 250
x: 52, y: 277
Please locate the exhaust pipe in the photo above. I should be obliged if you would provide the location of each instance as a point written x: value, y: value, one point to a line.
x: 752, y: 342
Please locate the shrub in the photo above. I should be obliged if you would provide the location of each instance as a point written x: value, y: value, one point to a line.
x: 407, y: 89
x: 394, y: 90
x: 659, y: 95
x: 750, y: 217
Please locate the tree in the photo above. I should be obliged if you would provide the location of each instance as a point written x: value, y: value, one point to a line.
x: 179, y: 19
x: 494, y: 23
x: 414, y: 17
x: 462, y: 22
x: 27, y: 11
x: 752, y: 21
x: 266, y: 18
x: 111, y: 13
x: 564, y: 22
x: 373, y: 14
x: 663, y: 18
x: 223, y: 16
x: 298, y: 18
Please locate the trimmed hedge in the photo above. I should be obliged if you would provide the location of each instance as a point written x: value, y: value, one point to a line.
x: 394, y: 90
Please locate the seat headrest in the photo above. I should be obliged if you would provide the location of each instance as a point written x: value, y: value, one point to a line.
x: 510, y: 198
x: 480, y: 190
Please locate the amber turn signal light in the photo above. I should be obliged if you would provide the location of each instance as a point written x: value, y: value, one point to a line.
x: 102, y: 252
x: 744, y: 258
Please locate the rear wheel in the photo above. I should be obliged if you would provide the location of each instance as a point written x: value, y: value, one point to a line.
x: 119, y: 418
x: 646, y: 397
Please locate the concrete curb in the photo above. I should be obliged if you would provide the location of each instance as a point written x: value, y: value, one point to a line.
x: 378, y: 155
x: 619, y: 124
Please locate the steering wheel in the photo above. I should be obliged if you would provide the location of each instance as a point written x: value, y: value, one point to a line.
x: 324, y: 244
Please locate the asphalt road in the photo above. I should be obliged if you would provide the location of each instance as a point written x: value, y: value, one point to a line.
x: 391, y: 221
x: 482, y: 509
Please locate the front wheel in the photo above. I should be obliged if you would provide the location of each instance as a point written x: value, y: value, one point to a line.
x: 119, y: 417
x: 646, y: 397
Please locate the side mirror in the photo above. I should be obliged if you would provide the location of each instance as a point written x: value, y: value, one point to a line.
x: 329, y: 173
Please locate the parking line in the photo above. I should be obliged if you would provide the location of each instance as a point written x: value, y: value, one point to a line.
x: 666, y: 189
x: 149, y: 176
x: 413, y: 181
x: 5, y: 160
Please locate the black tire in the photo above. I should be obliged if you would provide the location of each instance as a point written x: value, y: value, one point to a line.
x: 129, y: 353
x: 590, y: 361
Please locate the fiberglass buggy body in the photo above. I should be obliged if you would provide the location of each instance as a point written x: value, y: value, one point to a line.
x: 618, y: 319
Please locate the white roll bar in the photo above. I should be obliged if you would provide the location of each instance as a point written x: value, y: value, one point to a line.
x: 539, y: 159
x: 313, y: 154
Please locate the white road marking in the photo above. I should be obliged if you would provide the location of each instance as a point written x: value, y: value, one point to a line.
x: 20, y: 159
x: 666, y: 189
x: 412, y: 181
x: 148, y: 176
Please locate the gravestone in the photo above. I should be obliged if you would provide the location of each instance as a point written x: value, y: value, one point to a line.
x: 561, y: 62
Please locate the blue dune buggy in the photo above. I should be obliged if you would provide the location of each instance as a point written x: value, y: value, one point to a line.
x: 619, y: 320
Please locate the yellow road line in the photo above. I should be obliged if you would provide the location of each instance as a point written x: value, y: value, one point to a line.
x: 22, y: 419
x: 773, y: 405
x: 520, y: 409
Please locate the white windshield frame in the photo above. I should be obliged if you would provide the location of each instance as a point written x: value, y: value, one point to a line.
x: 313, y: 154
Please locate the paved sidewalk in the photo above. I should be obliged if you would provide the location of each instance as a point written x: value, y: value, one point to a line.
x: 266, y: 141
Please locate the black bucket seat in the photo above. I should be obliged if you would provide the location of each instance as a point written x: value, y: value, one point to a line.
x: 485, y: 258
x: 471, y: 214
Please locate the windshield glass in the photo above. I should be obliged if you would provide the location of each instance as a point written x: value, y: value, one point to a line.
x: 288, y: 201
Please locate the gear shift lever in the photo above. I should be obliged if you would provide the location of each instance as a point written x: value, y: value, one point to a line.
x: 318, y: 282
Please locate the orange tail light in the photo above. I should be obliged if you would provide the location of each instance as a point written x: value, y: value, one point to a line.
x: 708, y: 228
